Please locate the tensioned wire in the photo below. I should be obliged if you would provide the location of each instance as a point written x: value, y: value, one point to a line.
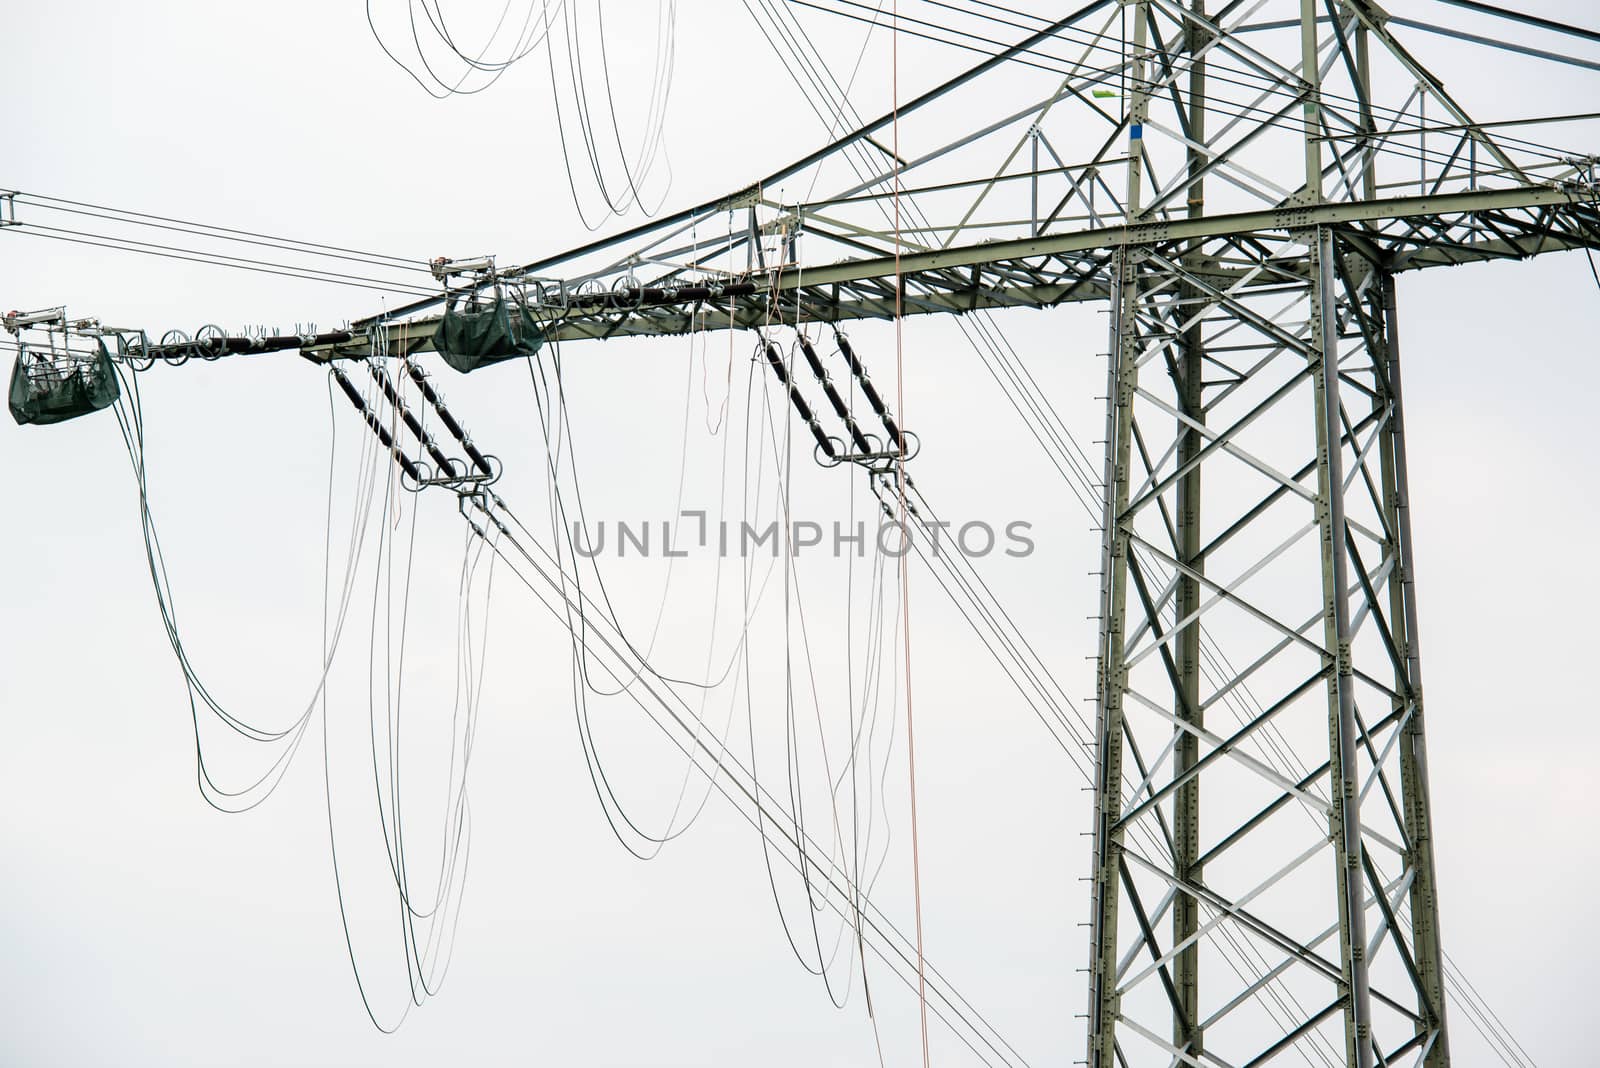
x: 186, y: 253
x: 221, y: 233
x: 856, y: 896
x: 259, y: 267
x: 1243, y: 77
x: 1097, y: 42
x: 776, y: 819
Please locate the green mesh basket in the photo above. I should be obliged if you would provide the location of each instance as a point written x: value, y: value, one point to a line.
x: 54, y: 387
x: 473, y: 337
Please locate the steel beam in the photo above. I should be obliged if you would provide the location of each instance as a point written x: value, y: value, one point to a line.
x: 1187, y: 1032
x: 1345, y: 821
x: 1424, y: 899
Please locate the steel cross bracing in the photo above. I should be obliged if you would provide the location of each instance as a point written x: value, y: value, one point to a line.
x: 1234, y: 649
x: 1241, y: 182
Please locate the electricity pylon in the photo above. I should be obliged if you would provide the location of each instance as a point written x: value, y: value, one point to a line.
x: 1241, y: 186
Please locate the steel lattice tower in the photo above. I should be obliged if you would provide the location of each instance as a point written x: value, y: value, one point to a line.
x: 1240, y: 184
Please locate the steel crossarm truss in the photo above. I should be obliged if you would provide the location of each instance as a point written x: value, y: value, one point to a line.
x: 1293, y: 113
x: 1403, y: 233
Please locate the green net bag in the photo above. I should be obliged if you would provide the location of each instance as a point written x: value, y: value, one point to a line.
x: 55, y: 387
x: 473, y: 337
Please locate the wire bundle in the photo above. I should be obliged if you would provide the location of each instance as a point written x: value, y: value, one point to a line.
x: 573, y: 33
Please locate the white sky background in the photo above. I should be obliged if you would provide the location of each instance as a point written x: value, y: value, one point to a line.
x: 141, y: 927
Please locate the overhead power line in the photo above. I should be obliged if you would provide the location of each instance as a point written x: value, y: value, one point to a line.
x: 1525, y: 18
x: 209, y: 229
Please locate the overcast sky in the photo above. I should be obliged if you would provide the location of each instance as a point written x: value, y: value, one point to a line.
x: 142, y: 927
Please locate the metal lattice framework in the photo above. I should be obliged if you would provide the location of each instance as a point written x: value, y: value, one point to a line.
x: 1221, y: 663
x: 1173, y: 102
x: 1241, y: 185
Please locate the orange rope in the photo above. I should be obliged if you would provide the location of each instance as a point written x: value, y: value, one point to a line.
x: 900, y: 482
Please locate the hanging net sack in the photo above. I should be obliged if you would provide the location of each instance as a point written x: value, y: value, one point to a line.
x: 52, y: 387
x: 472, y: 337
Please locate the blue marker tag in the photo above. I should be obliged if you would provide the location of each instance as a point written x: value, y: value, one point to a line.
x: 1136, y: 131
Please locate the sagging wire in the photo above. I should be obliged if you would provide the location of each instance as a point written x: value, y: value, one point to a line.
x: 547, y: 378
x: 741, y: 650
x: 783, y: 456
x: 130, y: 419
x: 909, y: 203
x: 551, y: 406
x: 579, y: 613
x: 772, y: 822
x: 528, y: 37
x: 584, y: 91
x: 549, y: 25
x: 427, y: 953
x: 770, y: 819
x: 651, y: 144
x: 637, y: 673
x: 794, y: 609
